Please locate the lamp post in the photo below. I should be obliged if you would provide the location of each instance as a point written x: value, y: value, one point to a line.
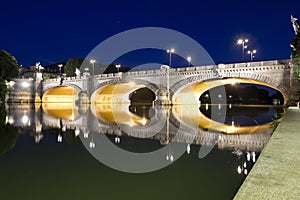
x: 170, y: 51
x: 118, y: 67
x: 251, y: 53
x: 243, y: 42
x: 60, y: 66
x: 92, y: 61
x: 189, y: 59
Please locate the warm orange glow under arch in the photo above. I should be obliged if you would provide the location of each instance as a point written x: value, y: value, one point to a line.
x: 60, y: 94
x: 115, y: 93
x: 190, y: 94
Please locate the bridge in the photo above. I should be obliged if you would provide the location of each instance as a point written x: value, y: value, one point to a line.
x: 171, y: 86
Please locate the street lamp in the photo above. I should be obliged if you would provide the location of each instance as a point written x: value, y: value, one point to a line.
x: 251, y: 53
x: 92, y: 61
x: 170, y: 51
x: 243, y: 42
x: 189, y: 59
x: 60, y: 66
x: 118, y: 67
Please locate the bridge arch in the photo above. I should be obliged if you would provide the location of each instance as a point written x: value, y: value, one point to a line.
x: 57, y: 93
x: 188, y: 91
x: 116, y: 91
x: 57, y: 84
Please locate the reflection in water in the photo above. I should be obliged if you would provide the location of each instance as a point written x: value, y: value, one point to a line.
x: 61, y: 110
x: 120, y: 114
x: 220, y: 120
x: 8, y: 133
x: 246, y: 115
x: 142, y: 110
x: 129, y: 127
x: 250, y: 125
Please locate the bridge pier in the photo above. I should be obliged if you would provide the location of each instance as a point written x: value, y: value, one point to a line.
x: 163, y: 97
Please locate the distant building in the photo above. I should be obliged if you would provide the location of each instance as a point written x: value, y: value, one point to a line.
x: 50, y: 71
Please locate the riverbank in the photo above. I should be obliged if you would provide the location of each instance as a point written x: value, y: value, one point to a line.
x: 276, y: 175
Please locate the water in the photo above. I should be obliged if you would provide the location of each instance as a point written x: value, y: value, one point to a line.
x: 45, y: 154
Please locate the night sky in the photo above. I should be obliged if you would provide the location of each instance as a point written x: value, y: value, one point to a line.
x: 53, y: 31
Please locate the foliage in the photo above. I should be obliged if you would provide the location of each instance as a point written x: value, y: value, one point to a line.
x: 8, y: 70
x: 8, y: 66
x: 276, y: 120
x: 71, y: 66
x: 3, y: 89
x: 295, y: 44
x: 49, y: 75
x: 298, y: 72
x: 111, y: 68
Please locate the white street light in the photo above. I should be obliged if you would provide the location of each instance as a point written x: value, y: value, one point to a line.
x: 189, y: 59
x: 92, y: 61
x: 60, y: 66
x: 92, y: 145
x: 25, y: 84
x: 243, y: 42
x: 11, y: 83
x: 251, y: 53
x: 170, y: 51
x: 239, y: 169
x: 118, y: 67
x: 59, y: 138
x: 77, y: 131
x: 25, y: 119
x: 188, y: 149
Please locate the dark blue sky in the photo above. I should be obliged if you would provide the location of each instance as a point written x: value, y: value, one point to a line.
x: 53, y: 31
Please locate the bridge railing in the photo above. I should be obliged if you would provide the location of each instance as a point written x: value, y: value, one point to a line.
x: 254, y: 64
x: 175, y: 71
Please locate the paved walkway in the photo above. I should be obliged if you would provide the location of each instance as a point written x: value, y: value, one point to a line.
x: 276, y: 175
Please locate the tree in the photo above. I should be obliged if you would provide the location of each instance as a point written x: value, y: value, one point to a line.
x: 8, y: 69
x: 8, y: 66
x: 295, y: 44
x: 71, y: 66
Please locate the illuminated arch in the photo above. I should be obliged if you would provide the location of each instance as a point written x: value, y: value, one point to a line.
x: 60, y: 94
x: 119, y: 92
x: 189, y: 94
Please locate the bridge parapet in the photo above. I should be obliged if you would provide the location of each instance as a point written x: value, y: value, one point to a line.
x: 254, y: 64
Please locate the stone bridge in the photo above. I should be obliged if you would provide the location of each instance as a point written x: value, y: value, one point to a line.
x: 170, y: 85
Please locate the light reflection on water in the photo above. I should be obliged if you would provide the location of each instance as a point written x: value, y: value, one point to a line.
x: 36, y: 133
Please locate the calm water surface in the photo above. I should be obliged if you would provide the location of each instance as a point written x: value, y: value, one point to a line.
x: 43, y: 157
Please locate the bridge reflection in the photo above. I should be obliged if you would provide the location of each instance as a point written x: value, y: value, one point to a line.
x: 67, y: 111
x: 193, y: 116
x: 118, y: 114
x: 149, y: 122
